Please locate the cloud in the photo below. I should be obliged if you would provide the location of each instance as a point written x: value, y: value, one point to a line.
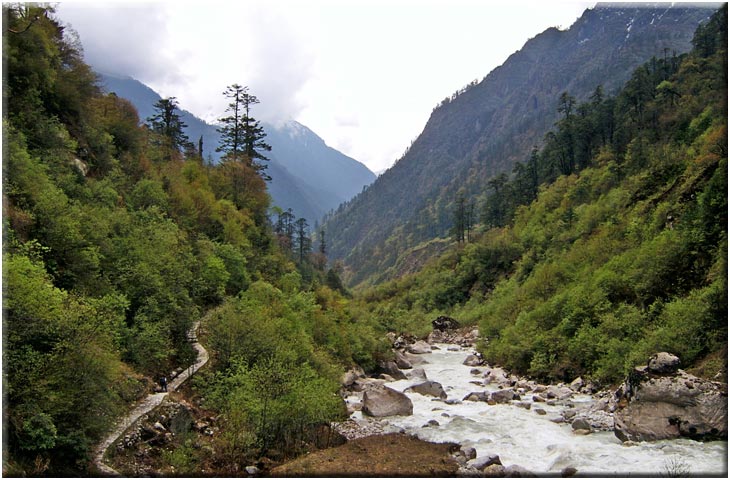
x: 347, y: 119
x: 183, y: 51
x: 281, y: 63
x: 124, y: 39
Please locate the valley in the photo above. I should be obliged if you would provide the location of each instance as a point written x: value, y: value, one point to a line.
x: 537, y: 287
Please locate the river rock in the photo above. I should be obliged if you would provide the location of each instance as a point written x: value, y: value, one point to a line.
x: 350, y: 376
x: 429, y: 388
x: 469, y: 452
x: 501, y: 396
x: 353, y: 407
x: 252, y: 470
x: 475, y: 360
x: 365, y: 384
x: 414, y: 359
x: 568, y: 472
x: 477, y: 397
x: 493, y: 471
x: 663, y: 363
x: 581, y: 424
x: 577, y: 384
x: 385, y: 402
x: 480, y: 463
x: 392, y: 369
x: 401, y: 361
x: 419, y: 348
x: 558, y: 392
x: 655, y: 406
x: 496, y: 375
x: 437, y: 336
x: 417, y: 374
x: 516, y: 471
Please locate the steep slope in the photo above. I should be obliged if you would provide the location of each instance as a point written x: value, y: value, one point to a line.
x: 308, y: 176
x: 624, y: 257
x: 484, y: 129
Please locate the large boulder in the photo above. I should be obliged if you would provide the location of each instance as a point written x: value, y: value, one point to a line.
x: 401, y: 361
x: 445, y: 323
x: 418, y: 348
x: 429, y: 388
x: 654, y: 406
x: 391, y: 368
x: 385, y: 402
x: 663, y: 362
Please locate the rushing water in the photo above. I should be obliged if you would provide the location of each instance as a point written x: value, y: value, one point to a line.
x: 522, y: 437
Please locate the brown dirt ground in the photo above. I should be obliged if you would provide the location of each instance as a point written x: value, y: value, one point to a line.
x: 392, y: 455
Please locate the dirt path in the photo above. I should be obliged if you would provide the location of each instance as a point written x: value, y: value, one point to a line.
x: 148, y: 404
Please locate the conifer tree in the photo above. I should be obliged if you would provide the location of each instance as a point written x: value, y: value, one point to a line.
x: 242, y: 136
x: 167, y: 124
x: 304, y: 243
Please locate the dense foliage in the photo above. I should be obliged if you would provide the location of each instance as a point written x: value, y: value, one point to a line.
x: 607, y: 245
x: 117, y: 236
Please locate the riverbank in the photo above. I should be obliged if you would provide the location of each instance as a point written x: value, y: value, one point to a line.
x: 389, y: 455
x: 554, y: 430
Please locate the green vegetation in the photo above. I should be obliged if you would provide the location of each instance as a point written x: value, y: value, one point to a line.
x: 116, y: 238
x: 609, y: 244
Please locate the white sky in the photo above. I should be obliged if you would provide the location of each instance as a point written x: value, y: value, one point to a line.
x: 364, y: 75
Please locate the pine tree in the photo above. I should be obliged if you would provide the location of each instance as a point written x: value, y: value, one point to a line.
x: 167, y: 124
x: 304, y: 243
x: 242, y: 136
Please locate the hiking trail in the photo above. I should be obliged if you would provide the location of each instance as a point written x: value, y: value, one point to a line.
x: 148, y: 404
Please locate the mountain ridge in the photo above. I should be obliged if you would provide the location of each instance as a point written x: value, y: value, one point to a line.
x: 486, y: 128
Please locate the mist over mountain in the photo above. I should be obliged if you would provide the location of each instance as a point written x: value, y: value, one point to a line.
x: 485, y: 128
x: 307, y: 175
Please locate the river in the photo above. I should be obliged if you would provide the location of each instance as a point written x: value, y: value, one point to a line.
x: 522, y: 437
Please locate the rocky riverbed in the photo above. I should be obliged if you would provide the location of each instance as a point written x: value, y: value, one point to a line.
x: 505, y: 425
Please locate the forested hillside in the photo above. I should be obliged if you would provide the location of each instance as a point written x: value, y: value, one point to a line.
x: 485, y: 128
x: 307, y: 175
x: 608, y: 244
x: 116, y: 238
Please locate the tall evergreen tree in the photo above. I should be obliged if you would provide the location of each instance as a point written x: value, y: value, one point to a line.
x: 242, y: 136
x: 322, y: 242
x: 166, y: 122
x: 303, y: 243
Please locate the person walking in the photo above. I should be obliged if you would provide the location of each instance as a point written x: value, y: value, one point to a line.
x: 163, y: 383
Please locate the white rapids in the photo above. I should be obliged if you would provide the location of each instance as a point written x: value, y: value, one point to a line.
x: 522, y: 437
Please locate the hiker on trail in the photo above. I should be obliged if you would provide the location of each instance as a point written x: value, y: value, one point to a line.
x: 163, y: 383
